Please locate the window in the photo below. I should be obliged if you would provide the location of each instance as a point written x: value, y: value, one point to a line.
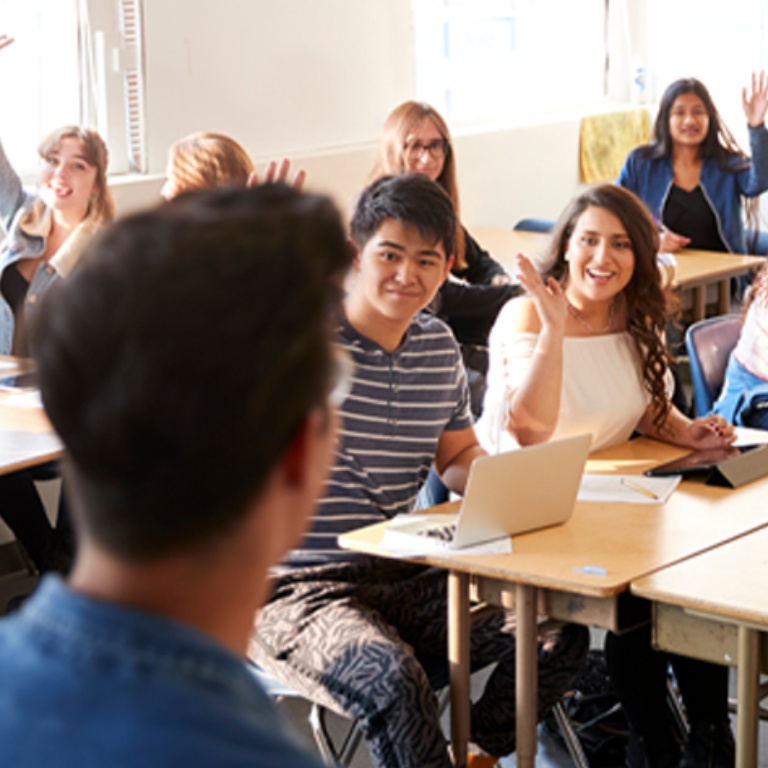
x: 72, y: 62
x: 720, y: 47
x: 40, y: 75
x: 508, y: 59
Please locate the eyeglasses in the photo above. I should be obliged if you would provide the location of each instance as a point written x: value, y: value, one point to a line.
x: 437, y: 149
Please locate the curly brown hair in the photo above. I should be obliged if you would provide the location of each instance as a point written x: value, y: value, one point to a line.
x: 647, y: 305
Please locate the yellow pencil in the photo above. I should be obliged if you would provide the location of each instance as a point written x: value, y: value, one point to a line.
x: 639, y: 488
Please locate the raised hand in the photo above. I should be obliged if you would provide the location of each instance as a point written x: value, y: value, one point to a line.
x: 755, y: 101
x: 278, y: 173
x: 548, y: 297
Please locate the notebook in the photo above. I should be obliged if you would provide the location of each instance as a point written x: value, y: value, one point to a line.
x: 506, y: 494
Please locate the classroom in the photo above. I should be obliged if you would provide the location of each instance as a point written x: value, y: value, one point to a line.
x: 545, y: 102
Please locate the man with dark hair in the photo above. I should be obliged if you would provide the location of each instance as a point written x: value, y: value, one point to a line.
x: 350, y: 631
x: 188, y: 368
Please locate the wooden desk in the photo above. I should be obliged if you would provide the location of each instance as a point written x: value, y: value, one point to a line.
x: 545, y: 572
x: 26, y: 436
x: 695, y: 270
x: 715, y: 607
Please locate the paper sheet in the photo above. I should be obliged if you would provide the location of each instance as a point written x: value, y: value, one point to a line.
x: 627, y: 489
x: 749, y: 436
x: 18, y: 446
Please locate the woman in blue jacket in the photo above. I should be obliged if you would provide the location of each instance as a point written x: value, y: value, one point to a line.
x: 692, y: 176
x: 46, y: 231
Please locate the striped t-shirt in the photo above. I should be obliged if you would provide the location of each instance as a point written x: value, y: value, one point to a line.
x: 392, y: 419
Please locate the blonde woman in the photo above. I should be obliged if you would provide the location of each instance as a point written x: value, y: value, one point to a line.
x: 210, y: 160
x: 415, y: 139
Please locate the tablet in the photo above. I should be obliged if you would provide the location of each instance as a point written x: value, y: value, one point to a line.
x: 25, y: 380
x: 698, y: 462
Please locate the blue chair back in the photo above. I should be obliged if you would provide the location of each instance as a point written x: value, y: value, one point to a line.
x: 535, y: 225
x: 709, y: 343
x: 760, y: 247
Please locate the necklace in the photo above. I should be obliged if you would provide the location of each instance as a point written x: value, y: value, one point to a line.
x: 581, y: 321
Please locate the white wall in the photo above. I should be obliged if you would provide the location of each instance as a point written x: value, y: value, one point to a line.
x: 314, y: 80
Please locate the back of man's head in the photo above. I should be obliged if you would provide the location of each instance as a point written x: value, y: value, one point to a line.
x: 182, y: 356
x: 412, y: 199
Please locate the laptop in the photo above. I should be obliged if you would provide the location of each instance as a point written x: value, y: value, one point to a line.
x: 506, y: 494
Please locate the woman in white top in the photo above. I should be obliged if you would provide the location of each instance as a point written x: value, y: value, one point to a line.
x: 583, y: 352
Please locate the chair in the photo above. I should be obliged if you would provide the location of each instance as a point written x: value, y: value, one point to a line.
x: 341, y: 755
x: 535, y: 225
x: 709, y: 343
x: 757, y: 242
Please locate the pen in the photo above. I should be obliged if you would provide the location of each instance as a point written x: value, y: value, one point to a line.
x: 639, y: 488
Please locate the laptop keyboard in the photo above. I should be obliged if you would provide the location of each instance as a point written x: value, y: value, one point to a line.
x: 440, y: 532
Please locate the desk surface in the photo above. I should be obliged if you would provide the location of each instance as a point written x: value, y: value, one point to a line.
x: 729, y: 581
x: 628, y: 541
x: 693, y: 268
x: 26, y: 436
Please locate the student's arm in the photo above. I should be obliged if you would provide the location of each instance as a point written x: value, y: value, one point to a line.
x: 699, y: 434
x: 456, y: 450
x: 754, y: 179
x: 534, y: 405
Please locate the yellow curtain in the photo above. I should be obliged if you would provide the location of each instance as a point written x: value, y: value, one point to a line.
x: 607, y: 139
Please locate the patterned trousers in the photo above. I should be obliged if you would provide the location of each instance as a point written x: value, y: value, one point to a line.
x: 349, y: 636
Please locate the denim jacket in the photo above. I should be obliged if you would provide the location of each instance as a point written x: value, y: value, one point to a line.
x: 651, y: 180
x: 90, y: 684
x: 27, y: 222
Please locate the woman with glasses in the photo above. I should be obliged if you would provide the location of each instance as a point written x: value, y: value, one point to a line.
x: 415, y: 139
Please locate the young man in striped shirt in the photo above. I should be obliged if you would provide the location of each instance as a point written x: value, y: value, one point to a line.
x: 349, y: 630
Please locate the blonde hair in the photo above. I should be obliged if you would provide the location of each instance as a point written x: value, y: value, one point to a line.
x: 207, y: 161
x: 101, y: 208
x: 390, y: 157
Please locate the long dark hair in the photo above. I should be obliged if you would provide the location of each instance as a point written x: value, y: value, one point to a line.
x: 647, y: 307
x: 718, y: 145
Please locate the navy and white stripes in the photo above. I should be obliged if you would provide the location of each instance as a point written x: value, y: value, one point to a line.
x: 392, y: 419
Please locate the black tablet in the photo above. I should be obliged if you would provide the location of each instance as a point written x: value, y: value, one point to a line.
x: 698, y: 462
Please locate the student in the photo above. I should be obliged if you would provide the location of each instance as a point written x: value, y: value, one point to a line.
x: 210, y: 160
x: 45, y: 234
x: 348, y: 630
x: 744, y: 397
x: 415, y: 139
x: 583, y: 353
x: 693, y: 176
x: 190, y: 473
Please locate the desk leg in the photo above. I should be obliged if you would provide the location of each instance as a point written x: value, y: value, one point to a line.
x: 527, y: 675
x: 748, y: 675
x: 699, y: 302
x: 724, y: 297
x: 459, y: 662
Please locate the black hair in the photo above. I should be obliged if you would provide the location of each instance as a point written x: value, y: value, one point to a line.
x: 718, y: 145
x: 411, y: 198
x: 182, y: 355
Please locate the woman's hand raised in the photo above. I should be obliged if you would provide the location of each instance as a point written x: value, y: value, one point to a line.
x: 755, y: 101
x: 548, y: 296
